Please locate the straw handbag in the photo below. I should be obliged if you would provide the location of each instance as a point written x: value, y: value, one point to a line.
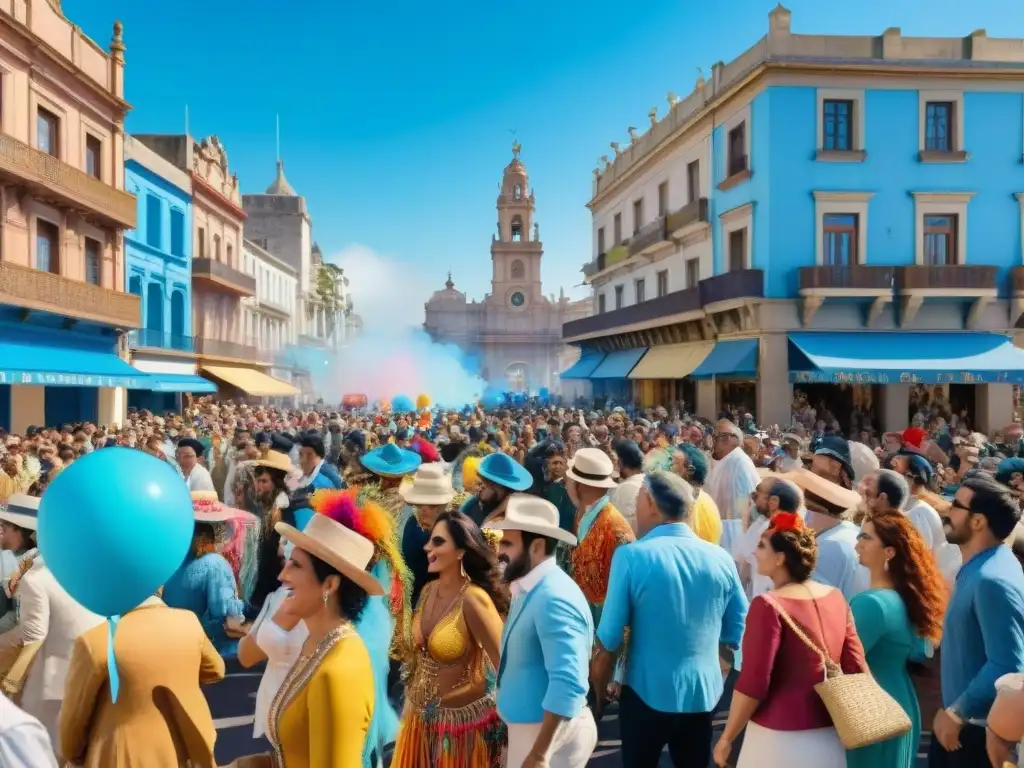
x: 862, y: 712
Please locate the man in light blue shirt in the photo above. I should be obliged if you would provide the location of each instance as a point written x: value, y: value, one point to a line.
x: 685, y: 608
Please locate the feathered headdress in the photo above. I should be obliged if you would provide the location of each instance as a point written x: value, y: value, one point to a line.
x: 371, y: 521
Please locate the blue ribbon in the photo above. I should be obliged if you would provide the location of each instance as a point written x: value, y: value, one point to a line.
x: 115, y: 681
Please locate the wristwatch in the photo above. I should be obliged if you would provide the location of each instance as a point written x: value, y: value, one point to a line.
x: 954, y: 715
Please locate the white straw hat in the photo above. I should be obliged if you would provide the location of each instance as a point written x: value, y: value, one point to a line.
x: 338, y: 546
x: 526, y: 512
x: 591, y: 466
x: 431, y: 486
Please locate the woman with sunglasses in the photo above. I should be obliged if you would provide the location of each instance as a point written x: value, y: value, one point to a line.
x: 450, y: 718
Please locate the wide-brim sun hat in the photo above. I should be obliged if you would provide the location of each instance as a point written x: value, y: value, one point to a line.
x: 592, y: 467
x: 391, y: 461
x: 500, y: 469
x: 431, y: 486
x: 206, y: 508
x: 531, y: 514
x: 276, y: 460
x: 826, y: 490
x: 21, y: 510
x: 338, y: 546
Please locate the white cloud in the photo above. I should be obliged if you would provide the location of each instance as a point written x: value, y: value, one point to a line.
x: 388, y: 294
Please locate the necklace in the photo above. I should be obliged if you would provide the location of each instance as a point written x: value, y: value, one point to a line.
x: 435, y: 599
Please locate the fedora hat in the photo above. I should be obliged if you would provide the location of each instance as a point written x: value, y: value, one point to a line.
x: 502, y: 470
x: 431, y: 486
x: 532, y: 514
x: 21, y: 510
x: 206, y: 508
x: 810, y: 483
x: 591, y: 466
x: 391, y: 461
x: 338, y: 546
x: 276, y: 460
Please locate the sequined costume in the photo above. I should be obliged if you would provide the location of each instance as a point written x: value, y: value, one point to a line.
x: 601, y: 529
x: 450, y: 718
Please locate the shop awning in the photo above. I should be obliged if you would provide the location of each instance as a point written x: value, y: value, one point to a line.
x: 60, y: 366
x: 672, y: 361
x: 900, y: 357
x: 618, y: 364
x: 583, y: 367
x: 735, y: 359
x: 251, y: 381
x: 176, y: 382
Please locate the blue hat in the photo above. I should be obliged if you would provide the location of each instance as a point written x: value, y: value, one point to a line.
x: 1004, y: 472
x: 391, y: 461
x: 499, y: 469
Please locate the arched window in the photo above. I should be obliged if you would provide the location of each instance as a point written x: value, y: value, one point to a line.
x: 216, y: 247
x: 517, y: 229
x: 517, y: 192
x: 231, y: 256
x: 154, y: 307
x: 518, y: 270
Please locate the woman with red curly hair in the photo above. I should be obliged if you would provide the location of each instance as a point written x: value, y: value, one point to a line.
x: 904, y: 604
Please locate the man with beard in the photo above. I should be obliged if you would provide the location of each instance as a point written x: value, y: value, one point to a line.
x: 985, y: 619
x: 500, y: 477
x: 546, y: 644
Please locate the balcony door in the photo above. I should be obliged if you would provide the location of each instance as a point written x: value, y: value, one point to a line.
x: 155, y: 311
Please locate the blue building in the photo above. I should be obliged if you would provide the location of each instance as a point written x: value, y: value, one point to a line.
x: 158, y: 270
x: 829, y: 219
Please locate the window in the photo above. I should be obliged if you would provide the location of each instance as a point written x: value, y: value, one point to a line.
x: 617, y: 228
x: 618, y: 296
x: 837, y: 129
x: 154, y: 220
x: 201, y: 242
x: 47, y: 247
x: 517, y: 229
x: 47, y: 132
x: 663, y: 198
x: 93, y: 156
x: 640, y: 287
x: 839, y: 248
x: 231, y: 255
x: 940, y: 240
x: 663, y: 282
x: 638, y: 215
x: 600, y: 240
x: 738, y: 149
x: 692, y: 273
x: 517, y: 192
x: 693, y: 181
x: 602, y: 304
x: 177, y: 232
x: 938, y: 126
x: 93, y: 273
x: 518, y: 270
x: 738, y: 249
x: 216, y: 247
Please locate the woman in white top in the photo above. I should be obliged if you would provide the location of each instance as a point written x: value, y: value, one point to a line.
x: 277, y: 637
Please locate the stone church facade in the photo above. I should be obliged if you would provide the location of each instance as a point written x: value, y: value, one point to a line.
x: 515, y: 332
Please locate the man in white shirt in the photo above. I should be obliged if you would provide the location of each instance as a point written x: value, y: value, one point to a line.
x: 631, y: 477
x: 196, y: 475
x: 24, y: 742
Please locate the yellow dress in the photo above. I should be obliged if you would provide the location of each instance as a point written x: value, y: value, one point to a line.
x: 705, y: 520
x: 322, y: 711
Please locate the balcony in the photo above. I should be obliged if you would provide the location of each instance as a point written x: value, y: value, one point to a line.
x: 732, y: 287
x: 955, y: 281
x: 682, y: 221
x: 846, y: 281
x: 148, y: 338
x: 227, y: 349
x: 52, y: 180
x: 39, y: 291
x: 218, y: 276
x: 676, y: 307
x: 648, y: 238
x: 604, y: 261
x: 273, y: 308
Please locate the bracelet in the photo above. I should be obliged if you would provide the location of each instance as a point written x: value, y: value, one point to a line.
x: 954, y: 716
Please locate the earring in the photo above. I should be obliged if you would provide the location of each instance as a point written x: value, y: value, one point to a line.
x: 325, y: 595
x: 886, y: 565
x: 462, y: 568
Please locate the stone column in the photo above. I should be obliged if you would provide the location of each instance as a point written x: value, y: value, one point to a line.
x: 113, y: 405
x: 895, y: 410
x: 707, y: 399
x: 774, y: 391
x: 28, y: 407
x: 994, y: 406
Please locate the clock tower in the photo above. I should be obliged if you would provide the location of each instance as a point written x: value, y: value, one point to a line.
x: 516, y: 249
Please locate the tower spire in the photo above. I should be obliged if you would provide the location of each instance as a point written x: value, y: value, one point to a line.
x: 277, y: 138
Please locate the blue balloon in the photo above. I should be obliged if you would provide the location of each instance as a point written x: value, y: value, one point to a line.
x: 113, y: 527
x: 402, y: 404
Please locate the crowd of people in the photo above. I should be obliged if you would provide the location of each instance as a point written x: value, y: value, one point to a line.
x: 475, y: 588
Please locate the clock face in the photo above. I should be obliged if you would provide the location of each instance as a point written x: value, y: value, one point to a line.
x: 517, y: 299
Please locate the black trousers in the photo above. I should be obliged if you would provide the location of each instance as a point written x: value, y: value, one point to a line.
x: 646, y: 732
x: 972, y: 752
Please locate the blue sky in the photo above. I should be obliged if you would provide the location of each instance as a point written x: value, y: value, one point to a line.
x: 395, y: 117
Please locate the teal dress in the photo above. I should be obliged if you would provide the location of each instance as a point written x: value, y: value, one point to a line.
x: 889, y: 640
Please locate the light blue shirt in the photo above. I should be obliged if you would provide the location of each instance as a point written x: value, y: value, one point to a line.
x: 838, y: 565
x: 545, y: 648
x: 681, y: 598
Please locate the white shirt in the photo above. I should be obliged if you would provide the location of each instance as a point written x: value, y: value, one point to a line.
x: 929, y: 525
x: 199, y: 479
x: 24, y: 742
x: 282, y: 648
x: 525, y: 585
x: 623, y: 497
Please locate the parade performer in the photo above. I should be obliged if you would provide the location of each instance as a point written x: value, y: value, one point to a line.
x: 465, y: 468
x: 205, y: 583
x: 385, y: 468
x: 500, y: 477
x: 450, y: 720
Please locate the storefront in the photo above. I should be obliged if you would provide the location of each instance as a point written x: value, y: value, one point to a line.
x: 169, y: 379
x: 610, y: 379
x: 240, y: 382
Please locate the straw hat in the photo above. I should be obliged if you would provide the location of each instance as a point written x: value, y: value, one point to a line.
x: 525, y: 512
x: 592, y: 467
x: 21, y: 510
x: 338, y: 546
x: 810, y: 483
x: 431, y: 486
x: 276, y: 460
x: 206, y: 508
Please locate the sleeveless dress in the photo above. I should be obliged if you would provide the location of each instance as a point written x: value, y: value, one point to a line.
x: 889, y: 639
x: 434, y: 735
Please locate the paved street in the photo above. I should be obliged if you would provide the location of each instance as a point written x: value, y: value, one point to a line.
x: 233, y: 702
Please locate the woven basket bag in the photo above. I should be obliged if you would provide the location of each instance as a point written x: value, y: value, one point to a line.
x: 862, y: 712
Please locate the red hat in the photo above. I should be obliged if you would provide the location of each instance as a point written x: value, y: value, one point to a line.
x: 426, y: 450
x: 913, y: 436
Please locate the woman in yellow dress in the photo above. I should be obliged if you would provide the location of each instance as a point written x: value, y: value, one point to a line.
x: 323, y: 710
x: 450, y: 718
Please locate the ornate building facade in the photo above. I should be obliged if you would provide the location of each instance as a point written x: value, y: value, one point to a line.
x: 515, y: 332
